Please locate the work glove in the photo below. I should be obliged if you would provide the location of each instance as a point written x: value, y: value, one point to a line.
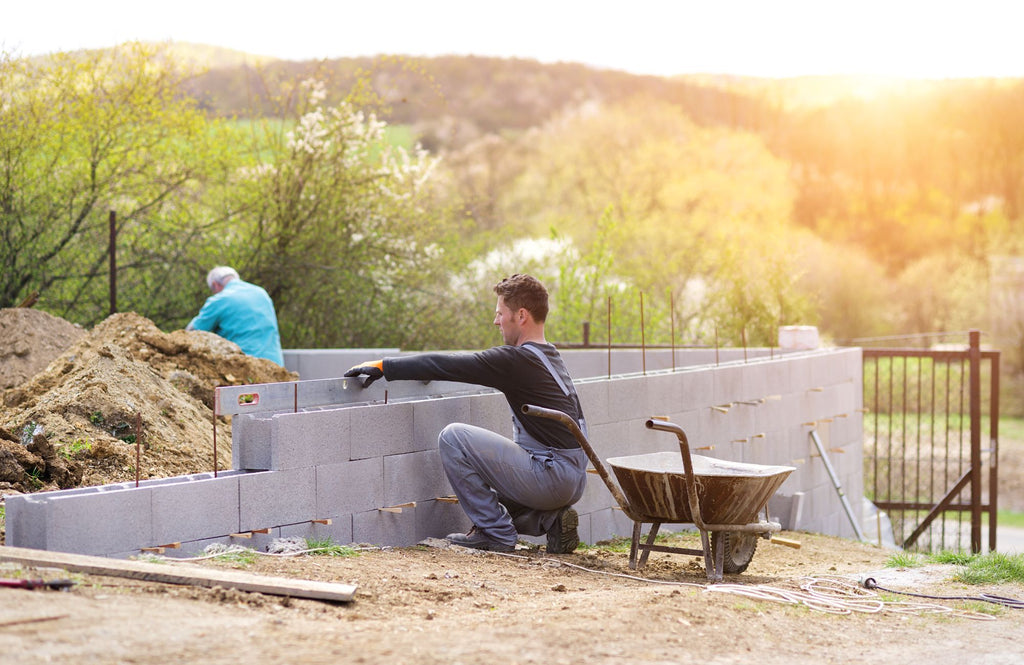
x: 372, y: 370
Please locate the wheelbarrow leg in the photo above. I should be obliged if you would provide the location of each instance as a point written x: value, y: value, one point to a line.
x: 650, y: 541
x: 634, y: 545
x: 714, y: 556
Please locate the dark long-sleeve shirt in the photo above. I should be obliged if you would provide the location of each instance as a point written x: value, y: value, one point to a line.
x: 514, y: 371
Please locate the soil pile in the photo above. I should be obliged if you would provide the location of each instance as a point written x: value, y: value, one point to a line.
x: 124, y: 390
x: 29, y: 340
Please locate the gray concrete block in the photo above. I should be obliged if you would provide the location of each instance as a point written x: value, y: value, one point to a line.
x: 349, y: 487
x: 491, y: 411
x: 436, y: 519
x: 433, y: 415
x: 755, y: 381
x: 308, y: 438
x: 609, y: 439
x: 251, y: 437
x: 665, y: 394
x: 801, y: 377
x: 377, y: 527
x: 192, y: 510
x: 729, y: 384
x: 594, y: 400
x: 414, y: 477
x: 382, y: 429
x: 628, y: 398
x: 698, y: 388
x: 26, y: 521
x: 100, y: 523
x: 272, y: 498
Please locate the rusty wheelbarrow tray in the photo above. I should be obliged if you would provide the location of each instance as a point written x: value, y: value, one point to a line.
x: 721, y: 498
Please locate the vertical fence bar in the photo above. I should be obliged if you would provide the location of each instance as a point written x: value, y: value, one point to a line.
x: 875, y: 414
x: 964, y: 385
x: 919, y: 413
x: 993, y: 470
x: 975, y: 360
x: 931, y: 432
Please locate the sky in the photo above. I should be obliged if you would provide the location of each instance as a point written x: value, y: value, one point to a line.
x: 768, y: 38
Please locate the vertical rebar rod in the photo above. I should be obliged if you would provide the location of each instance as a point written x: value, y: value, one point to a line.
x: 609, y: 337
x: 214, y: 442
x: 672, y: 317
x: 113, y: 262
x: 643, y: 338
x: 138, y: 443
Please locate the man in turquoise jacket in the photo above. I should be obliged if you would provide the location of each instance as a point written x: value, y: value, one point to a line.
x: 242, y: 313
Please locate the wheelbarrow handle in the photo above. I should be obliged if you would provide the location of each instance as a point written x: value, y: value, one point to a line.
x: 574, y: 427
x: 684, y: 451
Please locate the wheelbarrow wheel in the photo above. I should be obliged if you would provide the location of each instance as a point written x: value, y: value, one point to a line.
x: 738, y: 547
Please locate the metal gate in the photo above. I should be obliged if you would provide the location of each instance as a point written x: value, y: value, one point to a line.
x: 931, y: 428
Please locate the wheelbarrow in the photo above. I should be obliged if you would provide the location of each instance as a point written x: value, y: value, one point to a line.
x: 721, y: 498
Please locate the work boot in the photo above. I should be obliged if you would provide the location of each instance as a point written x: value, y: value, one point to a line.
x: 562, y: 537
x: 477, y: 540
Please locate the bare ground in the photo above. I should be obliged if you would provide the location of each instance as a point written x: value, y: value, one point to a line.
x: 429, y: 605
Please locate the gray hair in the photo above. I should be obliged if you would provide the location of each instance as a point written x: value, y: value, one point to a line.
x: 221, y: 275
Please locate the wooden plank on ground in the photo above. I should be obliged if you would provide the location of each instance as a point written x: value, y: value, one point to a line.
x: 180, y: 573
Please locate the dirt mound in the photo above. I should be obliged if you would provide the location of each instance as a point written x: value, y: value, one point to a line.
x: 29, y: 340
x: 77, y: 422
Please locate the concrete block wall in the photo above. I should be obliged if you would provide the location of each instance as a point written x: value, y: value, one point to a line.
x: 368, y: 470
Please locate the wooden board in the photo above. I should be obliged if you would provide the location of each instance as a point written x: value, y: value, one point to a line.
x: 180, y: 573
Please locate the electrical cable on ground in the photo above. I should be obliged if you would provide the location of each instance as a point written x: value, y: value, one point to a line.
x: 1014, y: 603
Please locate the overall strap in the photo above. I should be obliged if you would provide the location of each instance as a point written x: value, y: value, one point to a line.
x: 551, y: 368
x: 561, y: 384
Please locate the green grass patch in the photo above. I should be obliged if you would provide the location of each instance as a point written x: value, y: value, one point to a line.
x: 327, y: 547
x: 678, y: 539
x: 70, y: 450
x: 992, y: 568
x: 1011, y: 429
x: 905, y: 560
x: 973, y: 569
x: 952, y: 558
x: 241, y: 556
x: 1007, y: 518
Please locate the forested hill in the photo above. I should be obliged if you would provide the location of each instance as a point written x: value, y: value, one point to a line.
x: 888, y: 135
x: 488, y: 94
